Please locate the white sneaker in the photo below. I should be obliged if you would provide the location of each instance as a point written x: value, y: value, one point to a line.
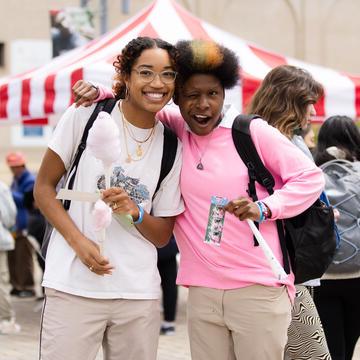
x: 9, y: 327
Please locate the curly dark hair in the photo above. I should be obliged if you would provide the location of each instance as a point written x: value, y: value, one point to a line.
x: 339, y: 131
x: 125, y: 61
x: 206, y: 57
x: 283, y: 97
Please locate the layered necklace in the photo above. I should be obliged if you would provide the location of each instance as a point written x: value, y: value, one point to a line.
x: 139, y: 152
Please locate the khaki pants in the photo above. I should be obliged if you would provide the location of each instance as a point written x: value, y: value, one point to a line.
x: 74, y: 328
x: 249, y: 323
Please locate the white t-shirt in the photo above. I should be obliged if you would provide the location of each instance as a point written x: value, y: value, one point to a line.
x: 135, y: 259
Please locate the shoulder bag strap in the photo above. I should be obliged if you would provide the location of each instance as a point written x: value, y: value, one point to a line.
x: 257, y: 171
x: 104, y: 105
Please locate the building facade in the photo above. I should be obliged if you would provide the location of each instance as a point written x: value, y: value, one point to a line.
x: 323, y: 32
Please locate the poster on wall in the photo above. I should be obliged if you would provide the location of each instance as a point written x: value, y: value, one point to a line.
x: 70, y: 27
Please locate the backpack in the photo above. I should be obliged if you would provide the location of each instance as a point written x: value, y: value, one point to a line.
x: 343, y: 189
x: 167, y: 160
x: 308, y: 239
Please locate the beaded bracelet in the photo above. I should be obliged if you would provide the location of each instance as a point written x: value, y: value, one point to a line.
x: 267, y: 211
x: 261, y: 219
x: 264, y: 211
x: 141, y: 215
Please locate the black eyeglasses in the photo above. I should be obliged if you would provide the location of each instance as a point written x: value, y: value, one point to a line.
x: 147, y: 75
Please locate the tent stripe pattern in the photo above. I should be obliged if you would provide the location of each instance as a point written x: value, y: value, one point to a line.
x: 47, y: 90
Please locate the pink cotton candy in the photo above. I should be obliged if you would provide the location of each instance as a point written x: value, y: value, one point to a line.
x: 104, y: 139
x: 101, y: 215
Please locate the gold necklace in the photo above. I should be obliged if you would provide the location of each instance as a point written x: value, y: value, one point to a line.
x: 140, y: 154
x: 129, y: 158
x: 139, y: 149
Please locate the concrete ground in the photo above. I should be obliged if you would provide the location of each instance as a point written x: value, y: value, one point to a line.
x: 24, y: 345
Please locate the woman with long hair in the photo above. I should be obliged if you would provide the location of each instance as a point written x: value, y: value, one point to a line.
x: 285, y: 99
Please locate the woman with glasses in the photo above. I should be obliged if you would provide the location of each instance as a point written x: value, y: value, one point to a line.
x: 111, y: 298
x: 236, y: 307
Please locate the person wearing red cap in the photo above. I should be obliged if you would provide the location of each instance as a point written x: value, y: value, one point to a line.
x: 20, y: 259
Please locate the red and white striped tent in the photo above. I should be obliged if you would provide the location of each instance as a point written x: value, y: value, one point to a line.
x: 47, y: 90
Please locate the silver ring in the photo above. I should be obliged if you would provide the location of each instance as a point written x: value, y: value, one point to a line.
x: 91, y: 268
x: 114, y: 206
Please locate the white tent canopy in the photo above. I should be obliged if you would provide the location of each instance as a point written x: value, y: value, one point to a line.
x: 47, y: 90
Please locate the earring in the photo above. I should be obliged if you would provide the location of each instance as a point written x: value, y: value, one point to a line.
x: 127, y: 95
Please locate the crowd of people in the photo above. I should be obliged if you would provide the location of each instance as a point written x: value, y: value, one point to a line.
x: 236, y: 307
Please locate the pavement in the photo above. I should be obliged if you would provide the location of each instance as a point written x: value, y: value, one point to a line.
x: 24, y: 345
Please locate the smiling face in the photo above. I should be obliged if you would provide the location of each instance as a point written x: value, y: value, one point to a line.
x: 150, y: 96
x: 201, y: 99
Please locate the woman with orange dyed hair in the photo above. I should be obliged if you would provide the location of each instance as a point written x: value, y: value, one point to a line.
x: 236, y: 307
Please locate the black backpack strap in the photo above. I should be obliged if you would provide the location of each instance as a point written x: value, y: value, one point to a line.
x: 249, y: 155
x: 168, y: 156
x: 104, y: 105
x: 256, y: 170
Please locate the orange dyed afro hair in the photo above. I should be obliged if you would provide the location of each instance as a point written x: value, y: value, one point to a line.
x: 207, y: 57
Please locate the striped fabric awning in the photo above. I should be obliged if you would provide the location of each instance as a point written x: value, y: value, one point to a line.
x: 47, y: 90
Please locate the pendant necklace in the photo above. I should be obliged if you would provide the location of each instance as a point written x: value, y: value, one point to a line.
x: 140, y: 153
x: 200, y: 165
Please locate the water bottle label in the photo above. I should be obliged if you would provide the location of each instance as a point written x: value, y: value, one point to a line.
x: 216, y: 218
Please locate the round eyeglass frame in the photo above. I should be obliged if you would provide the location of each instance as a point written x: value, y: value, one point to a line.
x: 154, y: 74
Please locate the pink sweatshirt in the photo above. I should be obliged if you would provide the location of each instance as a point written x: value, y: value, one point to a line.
x: 237, y: 262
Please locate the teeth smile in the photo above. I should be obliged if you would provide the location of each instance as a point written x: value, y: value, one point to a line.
x: 155, y: 95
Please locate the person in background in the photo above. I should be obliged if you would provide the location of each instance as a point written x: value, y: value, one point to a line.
x: 64, y: 36
x: 337, y: 299
x: 111, y: 298
x: 236, y: 307
x: 21, y: 258
x: 309, y: 137
x: 7, y: 221
x: 167, y: 265
x: 36, y: 229
x: 285, y: 99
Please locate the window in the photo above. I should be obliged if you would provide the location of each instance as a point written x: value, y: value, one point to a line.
x: 30, y: 135
x: 33, y: 131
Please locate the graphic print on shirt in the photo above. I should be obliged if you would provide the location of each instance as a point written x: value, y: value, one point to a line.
x: 137, y: 191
